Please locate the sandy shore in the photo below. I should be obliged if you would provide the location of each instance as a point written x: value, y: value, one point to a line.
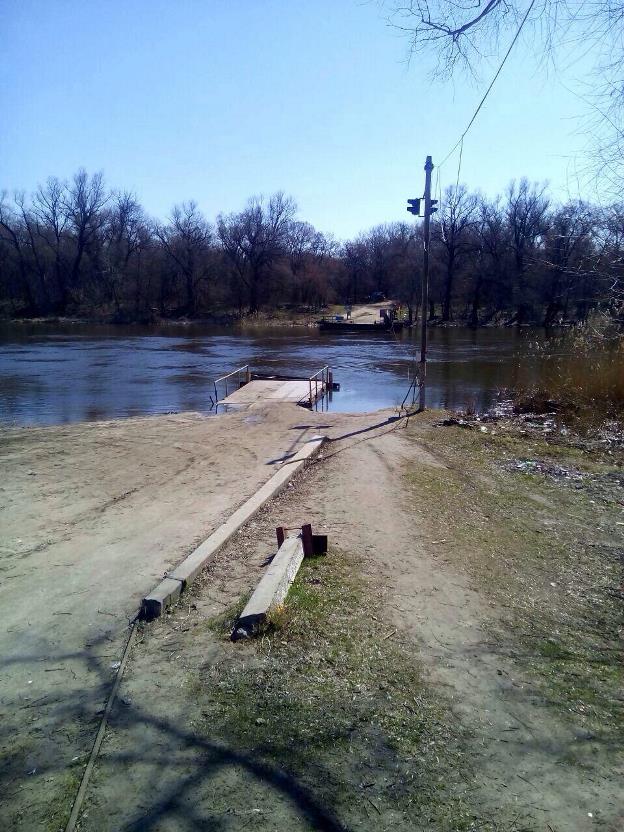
x: 447, y: 535
x: 92, y: 515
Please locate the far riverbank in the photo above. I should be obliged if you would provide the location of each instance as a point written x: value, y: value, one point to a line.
x: 280, y: 316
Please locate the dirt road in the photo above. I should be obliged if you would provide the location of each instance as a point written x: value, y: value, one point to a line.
x: 165, y: 763
x: 369, y: 313
x: 168, y: 762
x: 92, y: 515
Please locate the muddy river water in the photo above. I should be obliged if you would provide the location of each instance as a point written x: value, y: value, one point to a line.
x: 53, y: 374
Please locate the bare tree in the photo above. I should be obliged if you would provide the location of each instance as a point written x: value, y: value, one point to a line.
x: 255, y: 238
x: 355, y: 262
x: 124, y: 234
x: 489, y: 273
x: 84, y: 200
x: 186, y: 240
x: 12, y: 233
x: 36, y: 246
x: 51, y: 218
x: 378, y: 243
x: 390, y: 262
x: 525, y: 213
x: 567, y: 246
x: 309, y: 251
x: 405, y: 245
x: 453, y: 238
x: 76, y: 245
x: 606, y: 267
x: 461, y: 34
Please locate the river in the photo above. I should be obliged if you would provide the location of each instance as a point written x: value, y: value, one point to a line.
x: 54, y: 374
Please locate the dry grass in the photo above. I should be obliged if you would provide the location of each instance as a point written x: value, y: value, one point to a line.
x: 582, y: 379
x: 332, y: 697
x: 546, y: 550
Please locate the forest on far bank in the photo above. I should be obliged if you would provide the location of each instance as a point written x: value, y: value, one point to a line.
x: 79, y: 248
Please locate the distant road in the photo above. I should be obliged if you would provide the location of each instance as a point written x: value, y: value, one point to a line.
x: 369, y: 313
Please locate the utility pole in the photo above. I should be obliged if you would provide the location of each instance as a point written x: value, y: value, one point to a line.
x: 425, y: 285
x: 430, y: 207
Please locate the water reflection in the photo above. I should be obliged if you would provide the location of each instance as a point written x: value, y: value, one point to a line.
x: 55, y: 374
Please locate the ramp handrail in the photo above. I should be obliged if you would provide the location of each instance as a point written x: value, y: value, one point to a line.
x: 237, y: 372
x: 314, y: 379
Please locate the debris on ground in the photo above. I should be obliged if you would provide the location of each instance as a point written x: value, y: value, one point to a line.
x: 600, y: 453
x: 609, y: 437
x: 554, y: 472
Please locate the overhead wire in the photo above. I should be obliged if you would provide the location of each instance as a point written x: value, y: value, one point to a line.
x: 489, y: 89
x: 460, y: 144
x: 459, y: 163
x: 438, y: 191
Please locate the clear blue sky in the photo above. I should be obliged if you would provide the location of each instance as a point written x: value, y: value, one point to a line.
x: 217, y: 100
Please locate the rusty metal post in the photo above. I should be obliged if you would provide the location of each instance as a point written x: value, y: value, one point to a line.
x: 281, y: 536
x: 306, y: 539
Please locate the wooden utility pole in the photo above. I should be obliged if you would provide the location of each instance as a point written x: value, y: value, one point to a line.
x: 425, y: 284
x: 413, y: 207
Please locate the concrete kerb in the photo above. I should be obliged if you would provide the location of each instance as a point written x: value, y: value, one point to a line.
x: 171, y: 587
x: 272, y: 589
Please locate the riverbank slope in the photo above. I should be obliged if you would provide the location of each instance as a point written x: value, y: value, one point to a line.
x: 451, y: 664
x: 92, y: 516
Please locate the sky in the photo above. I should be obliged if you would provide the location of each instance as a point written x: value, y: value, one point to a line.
x: 219, y: 100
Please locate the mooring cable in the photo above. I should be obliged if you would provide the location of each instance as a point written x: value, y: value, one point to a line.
x: 84, y: 783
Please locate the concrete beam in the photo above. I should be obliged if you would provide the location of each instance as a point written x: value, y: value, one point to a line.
x: 272, y: 589
x: 164, y: 595
x: 168, y: 591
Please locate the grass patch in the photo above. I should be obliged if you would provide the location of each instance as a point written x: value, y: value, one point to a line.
x: 60, y: 806
x: 546, y: 551
x: 332, y: 696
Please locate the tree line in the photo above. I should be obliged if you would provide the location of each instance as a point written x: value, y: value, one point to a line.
x: 79, y: 248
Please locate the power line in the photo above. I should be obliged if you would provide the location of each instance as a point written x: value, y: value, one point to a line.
x: 459, y: 163
x: 488, y: 90
x: 438, y: 190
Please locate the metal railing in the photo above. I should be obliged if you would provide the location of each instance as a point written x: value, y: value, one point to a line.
x: 321, y: 377
x: 319, y: 383
x: 240, y: 373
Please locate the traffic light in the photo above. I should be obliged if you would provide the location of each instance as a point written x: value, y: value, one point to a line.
x: 434, y: 206
x: 413, y: 206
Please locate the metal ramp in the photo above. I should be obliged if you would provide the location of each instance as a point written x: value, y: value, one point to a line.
x: 244, y: 388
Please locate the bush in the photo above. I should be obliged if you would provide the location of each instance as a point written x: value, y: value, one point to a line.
x: 581, y: 378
